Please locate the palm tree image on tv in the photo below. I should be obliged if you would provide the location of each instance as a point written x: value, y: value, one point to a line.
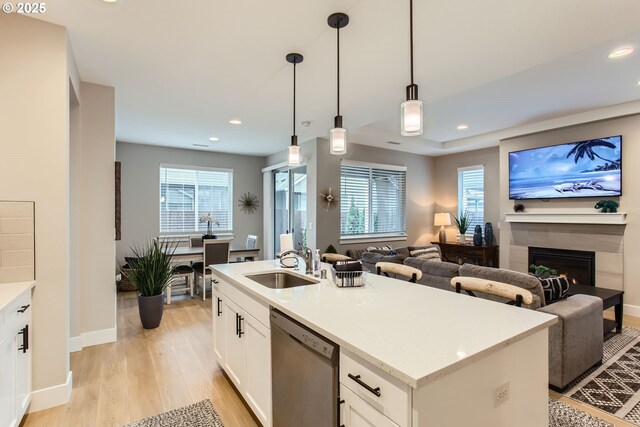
x: 590, y: 168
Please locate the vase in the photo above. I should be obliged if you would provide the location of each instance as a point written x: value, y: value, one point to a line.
x: 488, y: 234
x: 209, y: 236
x: 477, y: 236
x: 150, y: 310
x: 462, y: 238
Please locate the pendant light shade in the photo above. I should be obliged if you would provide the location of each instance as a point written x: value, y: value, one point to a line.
x: 293, y: 153
x: 411, y: 110
x: 338, y: 135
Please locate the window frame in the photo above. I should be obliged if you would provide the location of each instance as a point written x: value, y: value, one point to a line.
x: 461, y: 171
x: 374, y: 236
x: 228, y: 230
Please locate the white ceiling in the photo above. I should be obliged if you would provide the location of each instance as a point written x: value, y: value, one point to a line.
x: 182, y: 69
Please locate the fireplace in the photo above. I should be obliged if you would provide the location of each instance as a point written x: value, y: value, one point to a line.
x: 578, y: 266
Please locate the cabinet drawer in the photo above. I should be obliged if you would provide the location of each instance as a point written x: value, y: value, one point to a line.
x: 18, y: 312
x: 257, y: 309
x: 395, y: 396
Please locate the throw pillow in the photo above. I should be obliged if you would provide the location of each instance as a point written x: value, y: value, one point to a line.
x: 379, y: 248
x: 554, y: 288
x: 431, y: 253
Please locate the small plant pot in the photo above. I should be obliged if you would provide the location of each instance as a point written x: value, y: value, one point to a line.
x: 151, y: 309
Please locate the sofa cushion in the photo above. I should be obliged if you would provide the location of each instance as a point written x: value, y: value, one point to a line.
x: 554, y: 288
x: 379, y: 248
x: 433, y: 267
x: 426, y: 253
x: 355, y: 253
x: 523, y: 280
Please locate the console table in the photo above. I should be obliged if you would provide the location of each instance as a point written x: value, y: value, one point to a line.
x: 481, y: 255
x: 610, y: 298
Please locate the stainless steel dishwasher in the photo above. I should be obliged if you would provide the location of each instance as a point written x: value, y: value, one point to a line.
x: 304, y: 375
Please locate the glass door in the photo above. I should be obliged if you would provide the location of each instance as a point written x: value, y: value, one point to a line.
x: 290, y: 205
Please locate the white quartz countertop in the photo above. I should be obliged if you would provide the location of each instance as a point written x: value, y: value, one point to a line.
x: 413, y: 332
x: 10, y: 291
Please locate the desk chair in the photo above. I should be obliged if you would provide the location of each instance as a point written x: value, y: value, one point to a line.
x: 195, y: 241
x: 181, y: 272
x: 215, y: 252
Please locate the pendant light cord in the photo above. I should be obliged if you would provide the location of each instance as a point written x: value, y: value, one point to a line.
x: 411, y: 35
x: 338, y: 69
x: 294, y: 98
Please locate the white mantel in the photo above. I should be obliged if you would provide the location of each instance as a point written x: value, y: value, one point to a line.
x: 618, y: 218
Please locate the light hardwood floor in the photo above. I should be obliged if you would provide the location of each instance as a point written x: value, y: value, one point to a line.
x: 147, y: 372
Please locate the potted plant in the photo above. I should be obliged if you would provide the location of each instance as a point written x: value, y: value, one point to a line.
x: 150, y: 274
x: 542, y: 272
x: 462, y: 222
x: 210, y: 221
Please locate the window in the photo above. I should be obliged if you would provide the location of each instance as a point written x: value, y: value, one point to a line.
x: 188, y: 193
x: 471, y: 195
x: 372, y: 200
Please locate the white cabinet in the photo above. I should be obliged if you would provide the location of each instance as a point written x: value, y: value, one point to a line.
x: 371, y: 395
x: 219, y: 348
x: 15, y: 360
x: 355, y: 412
x: 242, y: 345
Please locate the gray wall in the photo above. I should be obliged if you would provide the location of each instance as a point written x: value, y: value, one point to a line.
x: 446, y: 187
x: 629, y: 128
x: 420, y: 192
x: 141, y: 189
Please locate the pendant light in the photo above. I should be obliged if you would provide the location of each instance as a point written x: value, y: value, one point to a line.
x: 293, y: 156
x: 411, y: 109
x: 338, y: 135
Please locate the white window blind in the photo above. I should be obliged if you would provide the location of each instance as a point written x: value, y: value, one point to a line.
x: 471, y: 195
x: 187, y: 194
x: 372, y: 199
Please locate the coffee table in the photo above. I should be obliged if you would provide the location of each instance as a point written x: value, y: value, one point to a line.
x: 610, y: 298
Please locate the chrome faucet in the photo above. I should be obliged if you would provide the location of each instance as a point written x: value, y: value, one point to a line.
x: 304, y: 253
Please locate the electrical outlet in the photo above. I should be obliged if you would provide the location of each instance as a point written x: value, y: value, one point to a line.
x: 500, y: 394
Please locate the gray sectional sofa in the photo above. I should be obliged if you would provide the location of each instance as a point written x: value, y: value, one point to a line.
x: 575, y: 342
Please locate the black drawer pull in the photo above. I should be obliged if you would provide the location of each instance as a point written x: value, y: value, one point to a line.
x: 237, y: 324
x: 357, y: 379
x: 219, y: 309
x: 240, y: 331
x: 24, y: 308
x: 25, y: 338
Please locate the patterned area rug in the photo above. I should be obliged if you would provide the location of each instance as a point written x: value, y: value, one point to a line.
x: 562, y: 415
x: 614, y: 386
x: 199, y: 414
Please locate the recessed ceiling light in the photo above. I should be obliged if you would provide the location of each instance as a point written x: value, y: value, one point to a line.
x: 462, y: 126
x: 638, y: 82
x: 235, y: 122
x: 621, y: 52
x: 214, y: 139
x: 110, y: 1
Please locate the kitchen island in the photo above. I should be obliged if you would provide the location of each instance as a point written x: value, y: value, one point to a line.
x: 443, y: 359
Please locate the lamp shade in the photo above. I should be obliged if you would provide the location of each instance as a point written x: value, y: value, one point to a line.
x: 293, y: 157
x: 338, y: 141
x: 411, y: 118
x: 442, y: 218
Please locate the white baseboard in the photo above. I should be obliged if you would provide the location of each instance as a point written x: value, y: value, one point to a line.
x: 52, y: 396
x: 632, y: 310
x: 87, y: 339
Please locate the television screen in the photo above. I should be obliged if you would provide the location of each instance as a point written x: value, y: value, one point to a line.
x: 591, y: 168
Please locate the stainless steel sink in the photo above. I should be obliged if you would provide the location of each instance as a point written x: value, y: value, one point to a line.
x: 281, y: 279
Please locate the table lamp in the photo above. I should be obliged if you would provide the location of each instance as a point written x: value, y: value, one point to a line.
x: 441, y: 219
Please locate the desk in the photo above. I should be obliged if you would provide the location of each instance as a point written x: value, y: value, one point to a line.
x: 186, y: 254
x: 481, y: 255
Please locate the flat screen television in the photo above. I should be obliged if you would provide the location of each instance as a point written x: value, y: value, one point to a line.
x: 591, y: 168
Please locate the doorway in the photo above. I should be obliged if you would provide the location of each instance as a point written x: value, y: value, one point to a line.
x: 290, y: 205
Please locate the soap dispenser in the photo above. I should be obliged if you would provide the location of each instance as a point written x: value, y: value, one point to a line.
x: 316, y: 264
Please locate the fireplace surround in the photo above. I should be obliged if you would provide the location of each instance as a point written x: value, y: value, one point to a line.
x: 578, y: 266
